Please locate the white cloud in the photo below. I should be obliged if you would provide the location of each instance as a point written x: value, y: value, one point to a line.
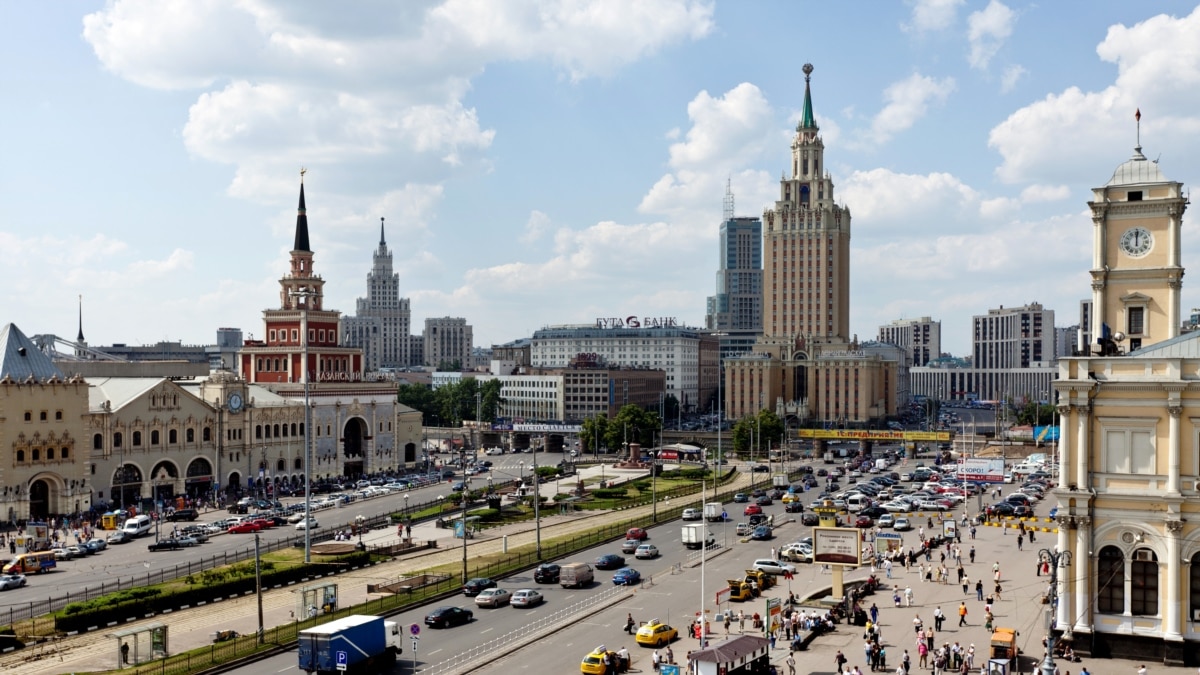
x: 987, y: 31
x: 1045, y: 193
x: 905, y: 102
x: 1012, y: 75
x: 897, y: 204
x: 536, y: 227
x: 932, y: 15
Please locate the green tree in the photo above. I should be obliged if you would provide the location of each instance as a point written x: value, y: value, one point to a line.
x: 593, y: 432
x: 418, y: 397
x: 755, y: 436
x: 632, y: 424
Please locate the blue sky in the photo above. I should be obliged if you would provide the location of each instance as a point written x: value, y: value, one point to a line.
x: 544, y: 163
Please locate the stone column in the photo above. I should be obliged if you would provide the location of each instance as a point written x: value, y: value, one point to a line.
x: 1083, y: 415
x: 1171, y: 618
x: 1173, y: 448
x: 1062, y: 617
x: 1064, y: 447
x: 1082, y: 562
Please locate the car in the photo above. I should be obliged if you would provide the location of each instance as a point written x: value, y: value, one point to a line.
x: 244, y: 527
x: 10, y: 581
x: 630, y: 545
x: 885, y: 520
x: 309, y: 523
x: 798, y: 552
x: 793, y: 507
x: 761, y: 468
x: 764, y: 500
x: 546, y: 573
x: 117, y: 537
x: 183, y: 514
x: 772, y: 566
x: 789, y: 497
x: 810, y: 519
x: 1053, y: 513
x: 1023, y: 511
x: 96, y: 544
x: 168, y: 544
x: 864, y: 522
x: 762, y: 533
x: 626, y: 576
x: 873, y: 511
x: 757, y: 492
x: 655, y: 633
x: 448, y: 616
x: 493, y: 597
x: 741, y: 498
x: 526, y: 597
x: 646, y: 551
x: 902, y: 524
x: 637, y: 533
x: 691, y: 514
x: 296, y: 517
x: 752, y: 509
x: 931, y: 505
x: 477, y: 585
x: 610, y: 561
x: 61, y: 553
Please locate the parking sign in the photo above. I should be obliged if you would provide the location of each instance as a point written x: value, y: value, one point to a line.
x: 342, y: 659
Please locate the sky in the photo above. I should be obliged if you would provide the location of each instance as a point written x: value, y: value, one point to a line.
x: 547, y: 163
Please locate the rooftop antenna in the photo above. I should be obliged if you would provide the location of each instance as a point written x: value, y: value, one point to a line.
x: 728, y: 201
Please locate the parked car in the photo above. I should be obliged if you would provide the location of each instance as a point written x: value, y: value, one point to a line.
x: 761, y: 533
x: 885, y: 520
x: 526, y: 597
x: 96, y: 544
x: 902, y: 524
x: 477, y: 585
x: 810, y: 519
x: 245, y: 527
x: 655, y: 634
x: 448, y: 616
x: 793, y: 507
x: 626, y: 576
x: 493, y: 597
x: 864, y: 522
x: 183, y: 514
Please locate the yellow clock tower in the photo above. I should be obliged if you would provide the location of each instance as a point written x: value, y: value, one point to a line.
x: 1136, y: 272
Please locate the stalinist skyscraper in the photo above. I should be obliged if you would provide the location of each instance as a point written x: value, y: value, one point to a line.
x: 807, y: 366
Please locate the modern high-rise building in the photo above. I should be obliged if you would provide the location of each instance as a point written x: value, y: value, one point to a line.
x: 383, y: 320
x: 806, y: 366
x: 736, y: 309
x: 448, y: 339
x: 1013, y: 337
x: 920, y: 338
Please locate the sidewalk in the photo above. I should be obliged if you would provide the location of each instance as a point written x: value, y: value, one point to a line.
x: 193, y: 628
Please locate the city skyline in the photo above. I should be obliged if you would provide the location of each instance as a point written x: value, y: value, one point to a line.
x: 563, y: 167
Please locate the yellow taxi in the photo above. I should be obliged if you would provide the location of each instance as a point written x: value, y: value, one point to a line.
x: 593, y: 663
x: 655, y: 634
x: 789, y: 497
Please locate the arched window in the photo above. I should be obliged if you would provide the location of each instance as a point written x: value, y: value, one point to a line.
x: 117, y: 440
x: 285, y: 430
x: 154, y: 437
x: 65, y: 454
x: 97, y: 442
x: 297, y: 464
x: 207, y: 434
x: 294, y: 429
x: 1143, y: 588
x: 190, y: 435
x: 35, y: 455
x: 172, y: 437
x: 1110, y: 581
x: 301, y: 429
x: 137, y: 439
x: 20, y: 455
x: 1194, y: 586
x: 275, y: 431
x: 258, y: 431
x: 49, y: 454
x: 281, y: 465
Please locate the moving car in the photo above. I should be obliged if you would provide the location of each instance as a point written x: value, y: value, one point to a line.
x: 477, y: 585
x: 493, y: 597
x: 526, y: 597
x: 245, y: 528
x: 183, y: 514
x: 637, y: 533
x: 447, y: 616
x: 762, y: 533
x: 902, y: 524
x: 611, y: 561
x: 546, y: 573
x: 752, y: 509
x: 626, y: 576
x: 691, y: 514
x: 630, y: 545
x: 96, y: 544
x: 885, y: 520
x: 164, y: 545
x: 741, y: 498
x: 794, y: 506
x: 771, y: 566
x: 810, y: 519
x: 117, y: 537
x: 646, y: 551
x: 8, y: 581
x: 655, y: 633
x: 310, y: 522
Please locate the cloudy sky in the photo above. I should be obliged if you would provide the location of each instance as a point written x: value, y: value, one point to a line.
x: 543, y: 163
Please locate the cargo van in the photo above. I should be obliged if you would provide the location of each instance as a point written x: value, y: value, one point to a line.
x: 137, y: 526
x: 575, y: 575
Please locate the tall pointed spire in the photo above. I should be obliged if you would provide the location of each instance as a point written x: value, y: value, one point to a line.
x: 301, y: 220
x: 807, y: 121
x: 382, y: 240
x: 79, y: 338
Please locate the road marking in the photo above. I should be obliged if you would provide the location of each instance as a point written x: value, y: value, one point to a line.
x: 486, y: 630
x: 429, y: 654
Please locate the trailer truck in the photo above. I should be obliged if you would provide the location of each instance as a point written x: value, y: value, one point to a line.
x: 355, y: 644
x: 697, y: 535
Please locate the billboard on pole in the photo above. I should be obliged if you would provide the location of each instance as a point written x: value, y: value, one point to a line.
x: 981, y: 469
x: 837, y: 546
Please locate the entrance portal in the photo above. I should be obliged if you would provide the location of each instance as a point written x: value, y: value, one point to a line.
x: 39, y: 499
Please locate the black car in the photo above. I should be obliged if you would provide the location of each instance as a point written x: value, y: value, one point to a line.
x: 761, y: 468
x: 476, y: 585
x: 612, y: 561
x: 793, y: 507
x: 546, y: 573
x: 445, y: 617
x: 806, y: 469
x: 757, y: 519
x: 1004, y: 508
x: 761, y: 533
x: 810, y: 519
x: 183, y: 514
x: 764, y: 500
x: 164, y: 545
x: 873, y: 511
x: 822, y: 472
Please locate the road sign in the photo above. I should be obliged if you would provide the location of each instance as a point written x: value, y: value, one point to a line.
x: 724, y: 515
x: 342, y: 659
x: 414, y: 629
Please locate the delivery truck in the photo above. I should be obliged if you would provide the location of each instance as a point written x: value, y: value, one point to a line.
x: 355, y: 644
x: 714, y: 512
x: 697, y: 535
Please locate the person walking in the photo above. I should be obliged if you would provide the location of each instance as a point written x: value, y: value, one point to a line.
x: 791, y: 664
x: 1020, y: 542
x: 979, y: 590
x: 966, y: 583
x: 971, y: 555
x: 840, y: 660
x: 908, y: 595
x: 906, y: 662
x: 962, y: 613
x: 741, y: 621
x: 629, y: 624
x: 938, y: 618
x: 874, y: 614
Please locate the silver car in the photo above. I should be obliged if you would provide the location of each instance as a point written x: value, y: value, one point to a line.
x: 526, y: 597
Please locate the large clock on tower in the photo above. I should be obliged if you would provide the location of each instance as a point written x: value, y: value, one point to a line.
x: 235, y: 402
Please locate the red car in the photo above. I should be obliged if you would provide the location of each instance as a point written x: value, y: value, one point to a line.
x: 263, y: 523
x: 637, y: 533
x: 244, y: 528
x: 752, y: 510
x: 864, y: 521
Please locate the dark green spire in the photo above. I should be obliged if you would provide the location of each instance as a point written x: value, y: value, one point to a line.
x: 301, y: 243
x: 806, y: 119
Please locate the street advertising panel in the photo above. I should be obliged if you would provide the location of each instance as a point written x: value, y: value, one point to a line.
x: 981, y: 469
x: 949, y: 529
x: 837, y: 546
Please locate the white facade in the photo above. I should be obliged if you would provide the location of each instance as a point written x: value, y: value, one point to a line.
x: 1013, y: 337
x: 448, y: 339
x: 920, y: 338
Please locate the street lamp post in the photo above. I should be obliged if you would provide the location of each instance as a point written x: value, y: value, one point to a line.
x: 306, y: 294
x: 1056, y: 559
x: 464, y: 522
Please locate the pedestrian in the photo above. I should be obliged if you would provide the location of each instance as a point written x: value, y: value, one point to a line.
x: 840, y: 660
x: 1141, y: 670
x: 906, y: 662
x: 922, y: 654
x: 996, y: 570
x: 896, y: 596
x: 741, y: 621
x: 908, y: 595
x: 938, y: 618
x: 997, y: 591
x: 656, y: 660
x: 966, y: 584
x: 728, y: 621
x: 962, y: 613
x: 874, y: 614
x: 791, y: 664
x: 979, y: 590
x: 1031, y: 540
x: 1020, y: 542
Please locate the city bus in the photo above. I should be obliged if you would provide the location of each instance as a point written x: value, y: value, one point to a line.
x: 29, y: 563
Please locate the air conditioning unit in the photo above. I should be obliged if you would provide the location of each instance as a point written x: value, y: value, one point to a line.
x: 1143, y: 555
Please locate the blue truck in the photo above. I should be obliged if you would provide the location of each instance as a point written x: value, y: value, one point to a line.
x: 355, y: 644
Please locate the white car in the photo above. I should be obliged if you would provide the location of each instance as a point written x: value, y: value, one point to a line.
x: 798, y: 552
x: 771, y: 566
x: 526, y: 597
x: 902, y: 524
x: 691, y: 514
x: 295, y: 517
x: 646, y: 551
x: 885, y: 520
x: 311, y: 522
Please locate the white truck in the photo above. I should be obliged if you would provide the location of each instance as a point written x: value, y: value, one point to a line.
x: 714, y: 512
x: 697, y: 535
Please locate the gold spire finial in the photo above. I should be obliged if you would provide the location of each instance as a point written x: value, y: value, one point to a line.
x: 302, y: 172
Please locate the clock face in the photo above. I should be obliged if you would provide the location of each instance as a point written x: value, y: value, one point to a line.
x: 235, y: 402
x: 1137, y: 242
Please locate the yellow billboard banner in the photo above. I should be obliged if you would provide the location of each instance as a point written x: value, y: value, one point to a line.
x: 874, y: 435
